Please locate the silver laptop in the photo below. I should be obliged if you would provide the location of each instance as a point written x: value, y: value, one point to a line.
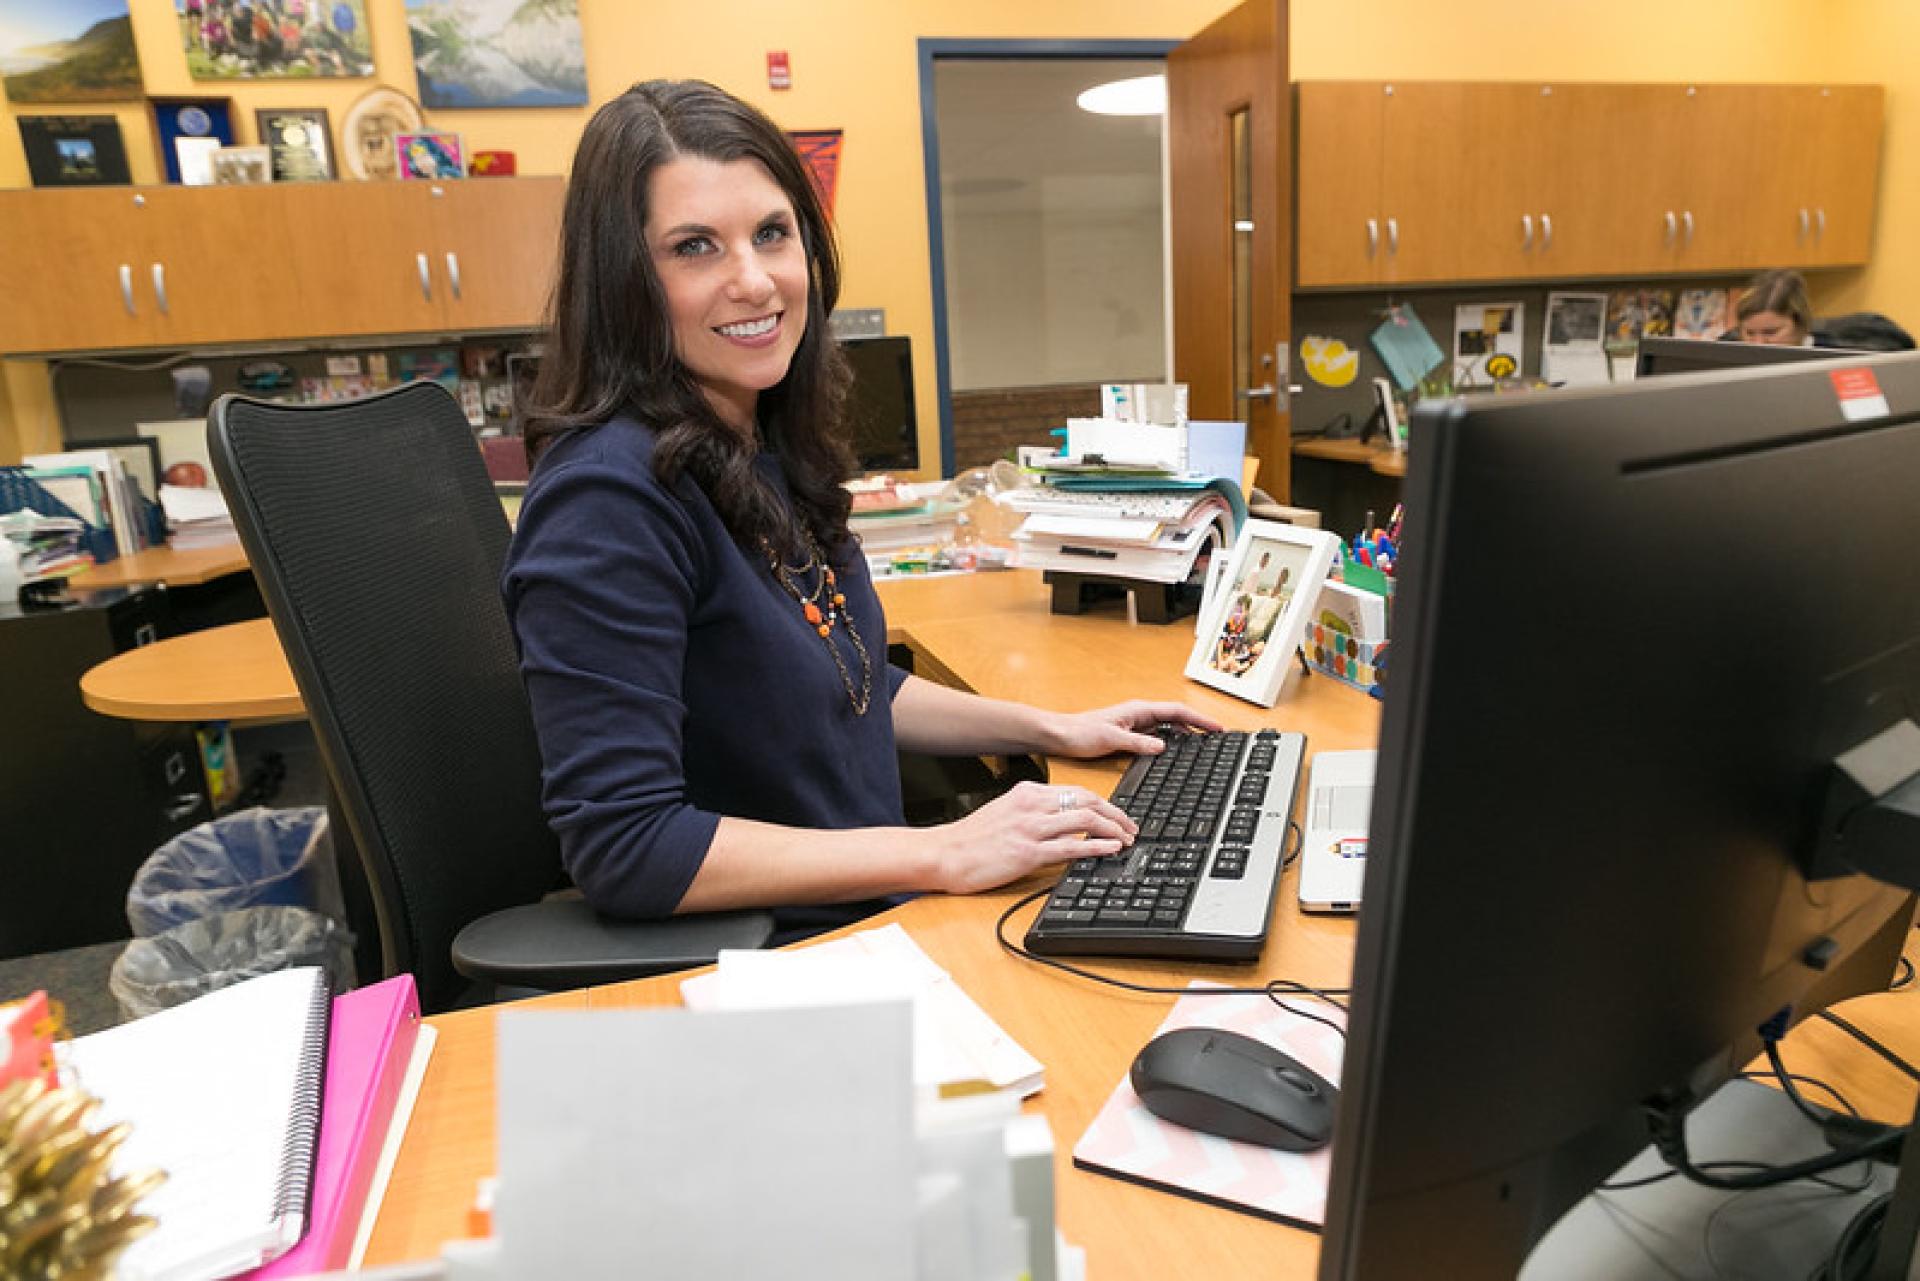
x: 1333, y: 852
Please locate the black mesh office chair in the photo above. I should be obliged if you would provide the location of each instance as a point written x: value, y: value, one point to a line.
x: 378, y: 543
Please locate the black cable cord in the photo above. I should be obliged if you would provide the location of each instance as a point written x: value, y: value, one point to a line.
x: 1902, y: 977
x: 1802, y: 1078
x: 1664, y: 1175
x: 1272, y: 990
x: 1789, y: 1088
x: 1871, y: 1044
x: 1670, y: 1138
x: 1857, y: 1244
x: 1299, y: 843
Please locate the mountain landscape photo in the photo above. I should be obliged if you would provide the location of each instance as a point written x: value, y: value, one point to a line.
x: 498, y: 53
x: 75, y: 51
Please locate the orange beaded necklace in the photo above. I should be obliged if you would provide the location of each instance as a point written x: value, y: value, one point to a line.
x: 825, y: 607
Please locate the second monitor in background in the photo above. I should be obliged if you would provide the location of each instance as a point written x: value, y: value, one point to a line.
x: 1697, y: 355
x: 880, y: 410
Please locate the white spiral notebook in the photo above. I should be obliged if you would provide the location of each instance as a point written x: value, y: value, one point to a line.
x: 224, y: 1095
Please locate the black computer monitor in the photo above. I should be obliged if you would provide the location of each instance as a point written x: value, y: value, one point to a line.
x: 1694, y: 355
x: 1634, y: 628
x: 880, y: 410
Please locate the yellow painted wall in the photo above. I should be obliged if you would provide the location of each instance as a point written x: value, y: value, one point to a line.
x: 854, y: 66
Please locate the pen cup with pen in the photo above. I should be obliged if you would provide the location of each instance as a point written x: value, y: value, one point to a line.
x: 1347, y: 637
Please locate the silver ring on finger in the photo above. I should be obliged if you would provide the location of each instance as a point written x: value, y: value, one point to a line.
x: 1067, y: 801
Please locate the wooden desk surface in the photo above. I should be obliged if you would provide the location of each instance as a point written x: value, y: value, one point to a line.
x: 1381, y: 458
x: 165, y: 565
x: 237, y: 672
x: 994, y: 634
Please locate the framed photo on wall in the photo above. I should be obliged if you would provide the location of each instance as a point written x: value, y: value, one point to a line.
x: 1252, y: 623
x: 190, y: 130
x: 74, y: 151
x: 300, y: 142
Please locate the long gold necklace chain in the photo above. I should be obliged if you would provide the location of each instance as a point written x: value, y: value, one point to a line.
x: 824, y: 608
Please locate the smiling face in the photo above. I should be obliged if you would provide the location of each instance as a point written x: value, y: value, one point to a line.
x: 727, y: 250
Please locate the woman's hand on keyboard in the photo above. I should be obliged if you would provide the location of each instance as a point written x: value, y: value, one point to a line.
x: 1032, y: 826
x: 1121, y: 728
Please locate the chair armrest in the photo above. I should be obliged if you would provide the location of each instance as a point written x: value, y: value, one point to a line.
x: 562, y: 943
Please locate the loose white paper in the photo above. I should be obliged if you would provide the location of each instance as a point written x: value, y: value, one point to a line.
x: 707, y: 1145
x: 1572, y: 350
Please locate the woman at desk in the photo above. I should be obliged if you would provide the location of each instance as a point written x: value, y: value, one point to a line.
x: 700, y: 640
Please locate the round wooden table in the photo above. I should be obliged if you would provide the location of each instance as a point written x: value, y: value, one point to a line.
x: 232, y: 673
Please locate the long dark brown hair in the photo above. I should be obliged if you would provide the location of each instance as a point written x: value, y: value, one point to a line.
x: 609, y: 343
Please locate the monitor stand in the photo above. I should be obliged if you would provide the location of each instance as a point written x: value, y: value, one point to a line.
x: 1678, y: 1229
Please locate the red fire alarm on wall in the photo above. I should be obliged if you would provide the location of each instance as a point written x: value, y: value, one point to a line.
x: 779, y: 73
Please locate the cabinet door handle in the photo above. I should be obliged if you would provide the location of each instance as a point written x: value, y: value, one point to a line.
x: 1819, y: 224
x: 1805, y: 224
x: 1686, y: 222
x: 453, y: 274
x: 1373, y: 236
x: 182, y: 806
x: 160, y: 287
x: 126, y: 288
x: 1393, y: 235
x: 1673, y: 226
x: 426, y: 277
x: 1546, y: 231
x: 1526, y: 231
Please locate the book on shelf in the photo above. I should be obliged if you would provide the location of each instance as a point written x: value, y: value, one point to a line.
x: 224, y: 1094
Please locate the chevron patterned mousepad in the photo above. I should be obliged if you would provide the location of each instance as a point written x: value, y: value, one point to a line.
x: 1129, y: 1142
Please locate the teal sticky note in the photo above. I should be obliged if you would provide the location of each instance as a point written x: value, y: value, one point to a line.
x: 1405, y: 347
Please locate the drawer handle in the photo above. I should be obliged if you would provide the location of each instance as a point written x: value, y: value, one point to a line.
x: 1806, y: 223
x: 453, y: 275
x: 126, y: 288
x: 1393, y: 235
x: 1686, y: 221
x: 160, y: 287
x: 426, y: 277
x: 1373, y: 236
x: 1526, y: 231
x: 1546, y: 231
x: 1819, y: 224
x: 1673, y: 228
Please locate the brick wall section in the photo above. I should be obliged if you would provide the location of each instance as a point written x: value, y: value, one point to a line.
x: 989, y: 424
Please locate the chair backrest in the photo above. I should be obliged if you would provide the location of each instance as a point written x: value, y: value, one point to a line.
x: 378, y: 542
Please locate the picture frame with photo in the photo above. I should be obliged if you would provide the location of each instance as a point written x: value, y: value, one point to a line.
x: 74, y: 151
x: 140, y: 455
x: 1251, y: 626
x: 189, y: 131
x: 242, y: 166
x: 430, y: 154
x: 300, y: 141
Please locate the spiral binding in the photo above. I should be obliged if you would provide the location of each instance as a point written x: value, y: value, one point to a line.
x: 294, y: 1187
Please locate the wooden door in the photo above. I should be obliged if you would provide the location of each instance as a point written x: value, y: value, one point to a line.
x: 496, y: 249
x: 1336, y: 211
x: 70, y: 263
x: 1844, y: 127
x: 1229, y: 137
x: 214, y: 261
x: 361, y: 257
x: 1455, y: 185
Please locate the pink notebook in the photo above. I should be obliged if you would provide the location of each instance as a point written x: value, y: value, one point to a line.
x: 1131, y: 1143
x: 369, y: 1044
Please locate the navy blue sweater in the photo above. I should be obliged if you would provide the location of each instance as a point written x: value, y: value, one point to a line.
x: 674, y: 681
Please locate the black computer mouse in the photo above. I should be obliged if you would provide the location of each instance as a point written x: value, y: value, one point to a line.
x: 1236, y: 1087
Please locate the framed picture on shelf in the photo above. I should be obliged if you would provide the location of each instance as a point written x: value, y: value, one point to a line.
x: 242, y: 166
x: 430, y: 155
x: 1250, y: 628
x: 190, y: 130
x: 369, y: 128
x: 300, y: 143
x: 140, y: 455
x: 74, y: 151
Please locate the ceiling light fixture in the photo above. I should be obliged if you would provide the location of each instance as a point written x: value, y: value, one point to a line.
x: 1139, y: 96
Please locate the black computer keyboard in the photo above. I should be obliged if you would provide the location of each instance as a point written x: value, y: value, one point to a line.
x: 1199, y: 881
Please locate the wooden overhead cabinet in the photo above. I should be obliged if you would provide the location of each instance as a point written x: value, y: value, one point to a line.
x: 120, y: 268
x: 1432, y: 182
